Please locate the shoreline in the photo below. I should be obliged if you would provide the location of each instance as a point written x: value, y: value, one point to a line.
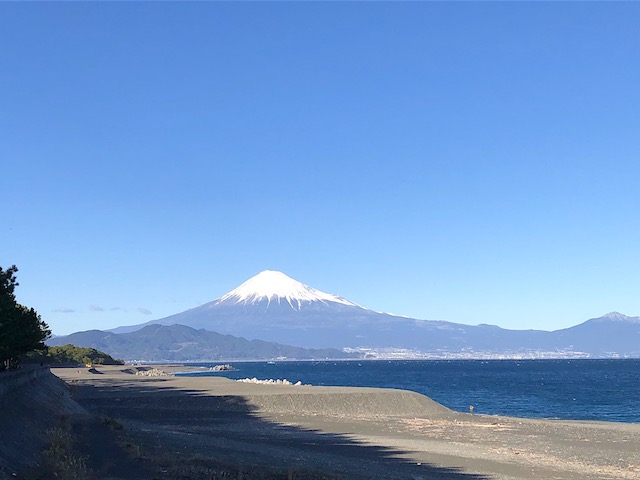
x: 548, y: 395
x: 383, y: 359
x: 345, y: 431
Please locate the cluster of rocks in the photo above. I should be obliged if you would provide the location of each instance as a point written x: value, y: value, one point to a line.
x: 222, y: 368
x: 154, y: 372
x: 269, y: 381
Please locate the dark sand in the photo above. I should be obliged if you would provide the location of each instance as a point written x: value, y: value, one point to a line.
x: 347, y: 432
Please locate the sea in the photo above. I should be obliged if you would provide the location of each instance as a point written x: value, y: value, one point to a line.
x: 576, y: 389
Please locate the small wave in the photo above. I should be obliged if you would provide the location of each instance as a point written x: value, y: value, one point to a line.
x: 270, y: 381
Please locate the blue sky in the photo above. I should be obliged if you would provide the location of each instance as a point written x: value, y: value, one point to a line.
x: 470, y: 162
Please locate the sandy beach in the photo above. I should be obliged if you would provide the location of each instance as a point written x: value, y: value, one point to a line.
x: 330, y: 432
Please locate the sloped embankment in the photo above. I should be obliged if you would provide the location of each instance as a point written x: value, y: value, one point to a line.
x: 32, y: 400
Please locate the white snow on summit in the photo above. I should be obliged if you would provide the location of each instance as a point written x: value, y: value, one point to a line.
x: 619, y: 317
x: 275, y: 286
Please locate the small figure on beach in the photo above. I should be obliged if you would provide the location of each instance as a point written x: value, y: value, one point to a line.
x: 471, y: 408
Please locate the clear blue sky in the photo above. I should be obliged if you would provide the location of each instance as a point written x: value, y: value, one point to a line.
x: 470, y: 162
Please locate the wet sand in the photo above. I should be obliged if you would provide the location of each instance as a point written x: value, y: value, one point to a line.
x: 348, y: 432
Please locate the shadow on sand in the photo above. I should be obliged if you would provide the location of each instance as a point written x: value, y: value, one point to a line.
x: 190, y: 426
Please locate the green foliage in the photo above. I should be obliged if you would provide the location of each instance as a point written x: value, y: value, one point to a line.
x: 21, y: 329
x: 72, y: 354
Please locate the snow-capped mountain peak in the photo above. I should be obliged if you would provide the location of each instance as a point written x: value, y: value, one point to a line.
x: 273, y: 286
x: 618, y: 317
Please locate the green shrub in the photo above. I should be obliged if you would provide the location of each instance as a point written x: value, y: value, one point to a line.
x: 72, y: 354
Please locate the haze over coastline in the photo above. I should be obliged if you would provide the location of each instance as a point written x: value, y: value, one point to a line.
x: 468, y: 162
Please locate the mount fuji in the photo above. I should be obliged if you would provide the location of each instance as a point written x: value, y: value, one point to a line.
x: 276, y: 308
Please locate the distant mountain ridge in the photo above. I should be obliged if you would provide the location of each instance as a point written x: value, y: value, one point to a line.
x: 182, y: 343
x: 276, y: 308
x: 613, y: 333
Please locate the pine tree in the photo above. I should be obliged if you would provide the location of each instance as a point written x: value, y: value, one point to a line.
x: 21, y: 328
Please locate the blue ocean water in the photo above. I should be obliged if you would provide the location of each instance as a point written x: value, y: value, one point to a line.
x: 607, y: 390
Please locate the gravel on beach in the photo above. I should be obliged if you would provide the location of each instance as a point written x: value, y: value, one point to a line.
x: 348, y: 432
